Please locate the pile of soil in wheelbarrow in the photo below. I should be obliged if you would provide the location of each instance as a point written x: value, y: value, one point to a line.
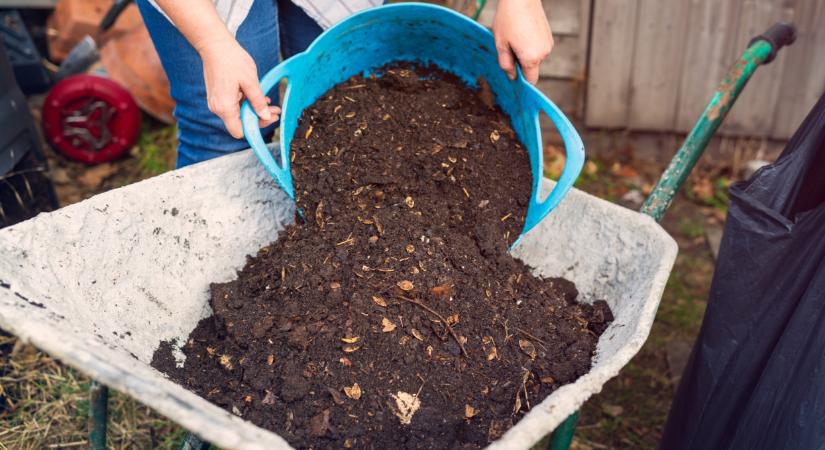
x: 394, y: 317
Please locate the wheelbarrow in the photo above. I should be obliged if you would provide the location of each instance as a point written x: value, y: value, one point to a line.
x: 101, y: 283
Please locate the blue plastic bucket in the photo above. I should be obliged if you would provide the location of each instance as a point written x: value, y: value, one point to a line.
x: 428, y: 34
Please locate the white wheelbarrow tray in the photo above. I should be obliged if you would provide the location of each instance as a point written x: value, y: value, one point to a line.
x: 101, y: 283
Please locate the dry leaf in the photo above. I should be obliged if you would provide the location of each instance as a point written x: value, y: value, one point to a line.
x: 489, y: 346
x: 350, y: 340
x: 405, y: 406
x: 517, y: 405
x: 319, y: 424
x: 590, y: 167
x: 405, y: 285
x: 319, y: 214
x: 353, y: 392
x: 94, y: 176
x: 527, y: 347
x: 336, y: 396
x: 624, y: 171
x: 379, y: 301
x: 387, y: 325
x: 452, y: 320
x: 485, y: 94
x: 494, y: 136
x: 497, y: 428
x: 417, y: 334
x: 702, y: 189
x: 345, y: 361
x: 226, y: 361
x: 469, y: 411
x: 444, y: 291
x: 613, y: 410
x: 410, y: 202
x: 269, y: 398
x: 554, y: 160
x: 410, y: 248
x: 349, y: 348
x: 378, y: 225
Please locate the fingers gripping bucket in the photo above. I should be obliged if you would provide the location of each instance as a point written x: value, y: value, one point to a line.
x: 422, y: 33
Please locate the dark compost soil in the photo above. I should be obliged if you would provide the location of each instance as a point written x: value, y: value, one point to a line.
x: 394, y: 317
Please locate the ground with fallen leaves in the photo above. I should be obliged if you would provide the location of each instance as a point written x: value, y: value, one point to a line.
x: 44, y: 404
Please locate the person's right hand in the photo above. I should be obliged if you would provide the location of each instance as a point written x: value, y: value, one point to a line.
x: 230, y: 75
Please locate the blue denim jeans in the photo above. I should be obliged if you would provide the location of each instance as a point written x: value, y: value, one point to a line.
x: 272, y: 27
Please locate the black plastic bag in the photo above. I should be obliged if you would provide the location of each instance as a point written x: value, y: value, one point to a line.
x: 756, y: 376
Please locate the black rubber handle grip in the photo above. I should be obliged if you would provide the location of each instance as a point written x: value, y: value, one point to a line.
x: 114, y: 12
x: 778, y: 35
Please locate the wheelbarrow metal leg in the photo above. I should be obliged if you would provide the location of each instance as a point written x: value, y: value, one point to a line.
x: 761, y: 50
x: 563, y: 434
x: 192, y: 442
x: 98, y: 415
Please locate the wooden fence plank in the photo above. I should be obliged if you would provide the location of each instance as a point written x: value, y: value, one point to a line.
x: 753, y: 113
x: 657, y: 63
x: 803, y: 79
x: 611, y: 62
x: 705, y: 59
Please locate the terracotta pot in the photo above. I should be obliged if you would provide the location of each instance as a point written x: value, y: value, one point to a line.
x: 131, y: 60
x: 72, y: 20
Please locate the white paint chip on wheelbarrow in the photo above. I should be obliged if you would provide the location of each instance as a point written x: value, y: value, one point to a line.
x: 101, y: 283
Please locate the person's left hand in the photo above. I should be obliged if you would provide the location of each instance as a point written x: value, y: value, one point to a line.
x: 522, y: 33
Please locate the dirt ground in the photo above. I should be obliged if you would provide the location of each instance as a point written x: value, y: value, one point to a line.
x: 44, y: 404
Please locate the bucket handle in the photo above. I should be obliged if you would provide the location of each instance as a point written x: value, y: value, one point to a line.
x: 281, y: 172
x: 574, y: 149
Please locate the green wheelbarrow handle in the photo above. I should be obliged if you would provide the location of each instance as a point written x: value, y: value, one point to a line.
x: 762, y: 49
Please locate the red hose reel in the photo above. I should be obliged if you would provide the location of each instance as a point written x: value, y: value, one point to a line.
x: 91, y: 119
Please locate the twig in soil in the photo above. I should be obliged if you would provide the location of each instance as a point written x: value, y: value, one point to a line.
x: 524, y: 387
x: 423, y: 382
x: 348, y: 241
x: 507, y: 334
x: 542, y: 343
x: 443, y: 320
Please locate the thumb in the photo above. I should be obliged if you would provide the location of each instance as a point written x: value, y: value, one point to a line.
x: 252, y: 92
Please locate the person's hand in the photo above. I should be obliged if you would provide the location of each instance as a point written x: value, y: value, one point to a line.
x: 230, y: 75
x: 522, y: 33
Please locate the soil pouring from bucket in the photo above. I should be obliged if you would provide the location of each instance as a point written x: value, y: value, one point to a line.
x: 394, y: 317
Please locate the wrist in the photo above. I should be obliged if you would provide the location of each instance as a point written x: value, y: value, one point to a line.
x: 212, y: 43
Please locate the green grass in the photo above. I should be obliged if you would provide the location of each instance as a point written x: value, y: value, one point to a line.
x: 691, y: 228
x: 44, y: 404
x: 157, y: 149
